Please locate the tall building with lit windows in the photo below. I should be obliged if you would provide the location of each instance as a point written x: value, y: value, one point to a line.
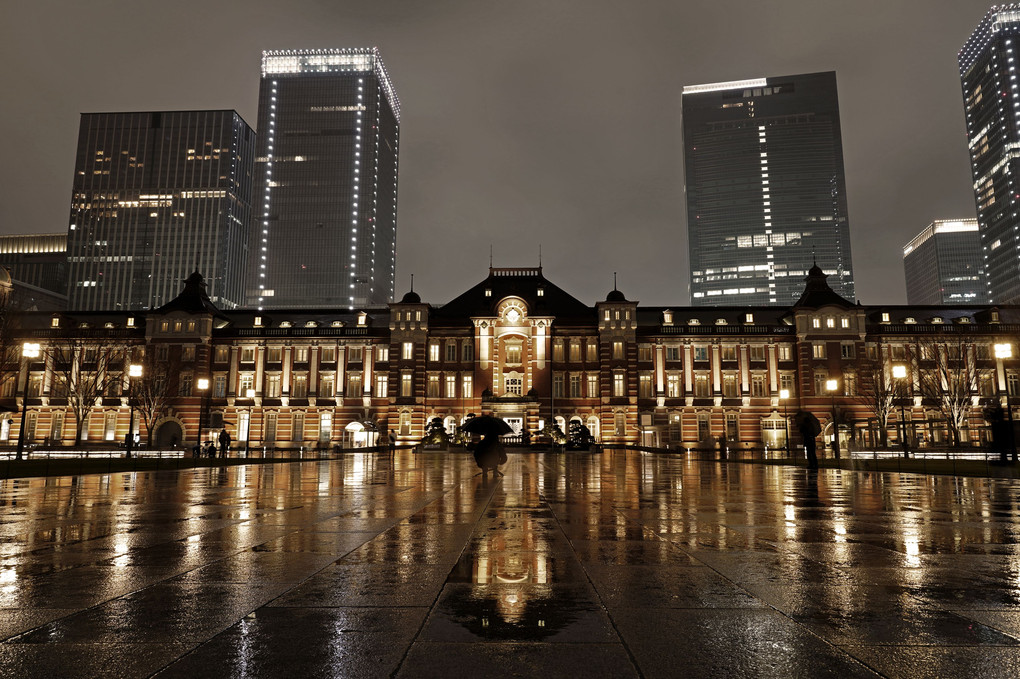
x: 329, y: 123
x: 988, y: 70
x: 943, y: 264
x: 765, y: 189
x: 157, y: 195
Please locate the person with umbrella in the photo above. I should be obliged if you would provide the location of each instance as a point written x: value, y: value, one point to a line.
x: 809, y: 428
x: 489, y: 452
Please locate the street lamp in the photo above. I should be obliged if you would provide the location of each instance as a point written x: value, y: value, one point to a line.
x: 784, y: 396
x: 1004, y: 351
x: 134, y: 370
x: 899, y: 373
x: 203, y: 386
x: 28, y: 350
x: 250, y: 394
x: 832, y: 386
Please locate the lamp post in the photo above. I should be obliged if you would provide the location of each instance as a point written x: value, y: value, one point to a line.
x: 1002, y: 352
x: 134, y: 370
x: 784, y: 396
x: 203, y: 386
x: 28, y: 350
x: 832, y: 386
x: 899, y: 373
x: 249, y: 394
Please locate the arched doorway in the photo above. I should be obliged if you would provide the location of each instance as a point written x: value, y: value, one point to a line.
x: 168, y: 434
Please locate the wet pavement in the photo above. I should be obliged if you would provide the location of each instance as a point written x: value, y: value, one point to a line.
x: 622, y: 564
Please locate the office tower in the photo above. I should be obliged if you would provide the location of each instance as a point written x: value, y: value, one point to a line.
x: 37, y: 266
x: 156, y: 196
x: 988, y: 72
x: 766, y: 194
x: 327, y: 165
x: 943, y: 264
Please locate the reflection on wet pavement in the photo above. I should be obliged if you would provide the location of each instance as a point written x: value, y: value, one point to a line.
x: 619, y: 564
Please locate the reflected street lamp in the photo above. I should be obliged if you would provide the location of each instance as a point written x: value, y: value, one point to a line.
x: 203, y: 386
x: 134, y: 370
x: 832, y: 386
x: 250, y: 394
x: 784, y: 396
x: 28, y: 350
x: 1004, y: 351
x: 899, y: 373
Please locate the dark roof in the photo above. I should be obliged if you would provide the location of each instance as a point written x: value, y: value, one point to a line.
x: 817, y: 292
x: 615, y: 296
x: 411, y: 297
x: 193, y: 299
x: 523, y: 282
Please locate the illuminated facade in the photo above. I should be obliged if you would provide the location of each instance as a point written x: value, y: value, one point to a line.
x: 37, y: 264
x: 944, y: 264
x: 765, y: 189
x: 155, y: 195
x: 991, y: 100
x: 517, y: 346
x: 329, y: 124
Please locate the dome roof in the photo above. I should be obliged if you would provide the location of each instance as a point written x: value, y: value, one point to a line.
x: 411, y: 297
x: 615, y: 296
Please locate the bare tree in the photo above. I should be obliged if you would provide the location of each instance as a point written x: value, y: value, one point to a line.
x: 84, y: 369
x: 10, y: 346
x: 152, y: 393
x: 947, y: 377
x: 877, y: 391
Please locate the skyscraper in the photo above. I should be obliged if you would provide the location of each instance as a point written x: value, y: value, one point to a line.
x: 765, y: 189
x: 943, y: 264
x: 327, y: 165
x: 155, y: 196
x: 991, y: 100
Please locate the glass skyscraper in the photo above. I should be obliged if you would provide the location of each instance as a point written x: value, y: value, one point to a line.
x: 943, y: 264
x: 155, y: 197
x: 327, y: 166
x: 765, y: 189
x: 991, y: 99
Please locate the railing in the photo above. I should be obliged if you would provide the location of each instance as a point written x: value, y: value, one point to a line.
x: 727, y: 329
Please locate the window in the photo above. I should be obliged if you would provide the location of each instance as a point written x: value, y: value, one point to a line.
x: 844, y: 322
x: 1012, y: 383
x: 299, y: 389
x: 620, y: 423
x: 701, y: 385
x: 673, y: 386
x: 110, y: 426
x: 983, y: 351
x: 451, y: 386
x: 786, y: 382
x: 784, y: 352
x: 672, y: 353
x: 820, y: 379
x: 729, y: 385
x: 830, y: 323
x: 818, y: 350
x: 732, y: 431
x: 467, y: 386
x: 846, y: 350
x: 325, y: 427
x: 269, y: 436
x: 301, y: 355
x: 758, y: 386
x: 703, y: 429
x: 327, y: 355
x: 871, y: 351
x: 162, y: 352
x: 407, y: 351
x: 57, y: 426
x: 467, y: 352
x: 816, y: 323
x: 558, y: 350
x: 729, y: 352
x: 272, y: 386
x: 222, y: 354
x: 405, y: 424
x: 700, y: 353
x: 593, y: 385
x: 354, y: 385
x: 184, y: 385
x: 617, y: 350
x: 514, y: 385
x: 513, y: 353
x: 575, y: 351
x: 558, y: 385
x: 274, y: 354
x: 644, y: 386
x: 757, y: 352
x: 434, y: 351
x: 298, y: 427
x: 451, y: 352
x: 188, y: 354
x: 326, y: 387
x: 575, y: 385
x: 382, y: 385
x: 220, y: 386
x: 246, y: 384
x: 850, y: 385
x: 619, y: 385
x: 644, y: 353
x: 593, y: 351
x: 247, y: 355
x: 406, y: 385
x: 355, y: 355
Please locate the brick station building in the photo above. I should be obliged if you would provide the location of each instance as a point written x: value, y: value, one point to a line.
x: 517, y: 346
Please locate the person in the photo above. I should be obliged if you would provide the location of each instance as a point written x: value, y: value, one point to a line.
x: 224, y: 442
x: 808, y: 431
x: 722, y: 447
x: 210, y: 449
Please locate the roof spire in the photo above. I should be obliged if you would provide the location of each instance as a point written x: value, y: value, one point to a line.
x: 539, y: 255
x: 614, y: 280
x: 490, y: 256
x: 412, y: 282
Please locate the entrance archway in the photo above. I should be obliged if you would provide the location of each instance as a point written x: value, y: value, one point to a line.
x: 168, y: 434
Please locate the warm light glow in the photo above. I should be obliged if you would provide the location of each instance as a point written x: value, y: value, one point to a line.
x: 203, y: 383
x: 31, y: 350
x: 249, y: 393
x: 899, y: 371
x: 134, y: 370
x: 831, y: 385
x: 784, y: 394
x: 1003, y: 351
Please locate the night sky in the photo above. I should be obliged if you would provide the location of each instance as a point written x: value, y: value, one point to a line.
x: 530, y: 122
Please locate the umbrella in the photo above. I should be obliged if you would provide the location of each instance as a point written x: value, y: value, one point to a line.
x: 487, y: 425
x: 807, y: 423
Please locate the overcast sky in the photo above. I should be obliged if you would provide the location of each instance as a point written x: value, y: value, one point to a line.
x: 524, y: 122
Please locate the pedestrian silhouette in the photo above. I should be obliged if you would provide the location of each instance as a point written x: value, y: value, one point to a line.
x: 224, y: 443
